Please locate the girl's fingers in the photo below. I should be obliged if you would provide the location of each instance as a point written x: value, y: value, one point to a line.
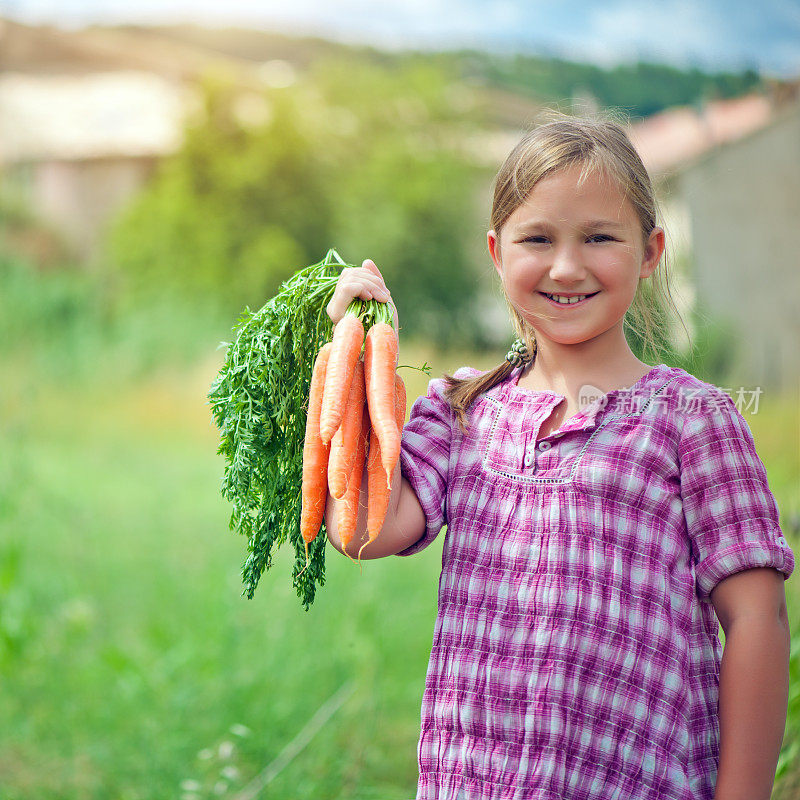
x: 356, y: 282
x: 344, y: 295
x: 373, y: 289
x: 369, y: 264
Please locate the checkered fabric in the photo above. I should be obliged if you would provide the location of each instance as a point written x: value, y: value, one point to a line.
x: 575, y: 651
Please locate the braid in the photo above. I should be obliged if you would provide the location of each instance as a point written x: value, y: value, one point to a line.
x: 461, y: 392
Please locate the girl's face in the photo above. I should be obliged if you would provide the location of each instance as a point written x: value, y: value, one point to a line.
x: 575, y: 241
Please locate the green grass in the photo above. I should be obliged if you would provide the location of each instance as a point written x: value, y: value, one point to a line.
x: 129, y: 659
x: 126, y: 646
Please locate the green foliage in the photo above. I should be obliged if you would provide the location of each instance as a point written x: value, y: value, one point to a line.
x: 640, y: 88
x: 356, y: 154
x: 712, y: 355
x: 17, y: 620
x: 406, y: 197
x: 42, y: 307
x: 643, y: 87
x: 790, y: 749
x: 258, y: 401
x: 71, y: 326
x: 232, y: 212
x: 366, y: 154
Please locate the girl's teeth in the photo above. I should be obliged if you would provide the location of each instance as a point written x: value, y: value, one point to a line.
x: 567, y: 300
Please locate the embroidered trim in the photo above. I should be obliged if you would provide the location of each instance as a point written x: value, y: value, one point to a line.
x: 522, y: 478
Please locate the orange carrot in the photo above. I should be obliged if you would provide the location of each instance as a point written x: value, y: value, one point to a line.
x: 400, y: 402
x: 314, y: 492
x: 343, y: 444
x: 348, y: 336
x: 377, y: 494
x: 347, y: 510
x: 380, y: 363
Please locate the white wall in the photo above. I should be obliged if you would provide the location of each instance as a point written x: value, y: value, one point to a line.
x: 744, y: 202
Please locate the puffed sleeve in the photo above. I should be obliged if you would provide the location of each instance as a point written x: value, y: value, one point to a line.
x: 731, y: 514
x: 425, y: 458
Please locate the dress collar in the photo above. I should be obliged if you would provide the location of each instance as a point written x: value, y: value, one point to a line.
x: 622, y: 400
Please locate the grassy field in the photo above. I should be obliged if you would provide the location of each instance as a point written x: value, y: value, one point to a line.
x: 128, y: 653
x: 132, y: 667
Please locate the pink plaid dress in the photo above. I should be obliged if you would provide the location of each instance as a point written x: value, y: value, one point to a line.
x: 575, y: 652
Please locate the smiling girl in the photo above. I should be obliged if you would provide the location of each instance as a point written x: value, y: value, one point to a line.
x: 572, y: 257
x: 592, y: 549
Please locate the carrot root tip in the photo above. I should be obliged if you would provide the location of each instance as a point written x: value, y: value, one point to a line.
x: 359, y: 553
x: 307, y: 561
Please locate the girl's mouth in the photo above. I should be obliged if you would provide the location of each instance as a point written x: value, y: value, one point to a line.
x: 572, y: 302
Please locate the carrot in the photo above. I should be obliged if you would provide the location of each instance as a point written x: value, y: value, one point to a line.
x: 343, y: 444
x: 347, y: 510
x: 380, y: 363
x: 377, y: 494
x: 348, y: 336
x: 314, y: 491
x: 400, y: 400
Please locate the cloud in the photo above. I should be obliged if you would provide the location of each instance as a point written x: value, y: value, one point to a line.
x: 678, y: 31
x: 715, y: 34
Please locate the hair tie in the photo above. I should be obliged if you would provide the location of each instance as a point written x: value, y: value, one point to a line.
x: 518, y: 354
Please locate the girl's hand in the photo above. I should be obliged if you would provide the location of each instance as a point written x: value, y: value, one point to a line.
x: 365, y: 282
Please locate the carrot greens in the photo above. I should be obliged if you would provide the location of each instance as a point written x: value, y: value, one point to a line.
x: 259, y: 402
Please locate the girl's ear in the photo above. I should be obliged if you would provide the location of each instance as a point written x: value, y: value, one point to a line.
x: 652, y: 253
x: 493, y: 241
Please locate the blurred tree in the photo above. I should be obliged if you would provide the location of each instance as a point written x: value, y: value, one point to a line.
x: 640, y: 88
x: 235, y: 212
x: 356, y: 156
x: 406, y: 196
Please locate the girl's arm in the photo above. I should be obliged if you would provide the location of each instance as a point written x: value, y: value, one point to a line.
x: 403, y: 526
x: 754, y: 682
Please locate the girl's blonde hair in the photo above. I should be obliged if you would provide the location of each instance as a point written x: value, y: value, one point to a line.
x: 598, y: 144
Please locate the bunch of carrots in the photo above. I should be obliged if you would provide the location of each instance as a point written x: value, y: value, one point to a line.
x: 356, y: 411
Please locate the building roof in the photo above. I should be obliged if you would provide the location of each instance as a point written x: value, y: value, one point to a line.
x: 670, y: 138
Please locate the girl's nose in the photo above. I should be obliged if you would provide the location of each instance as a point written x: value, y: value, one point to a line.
x: 567, y: 264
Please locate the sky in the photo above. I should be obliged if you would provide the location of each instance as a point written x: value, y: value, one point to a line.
x: 710, y: 34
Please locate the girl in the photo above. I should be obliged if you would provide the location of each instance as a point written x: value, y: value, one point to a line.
x: 602, y: 515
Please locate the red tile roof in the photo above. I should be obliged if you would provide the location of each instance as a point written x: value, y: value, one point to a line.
x: 667, y: 139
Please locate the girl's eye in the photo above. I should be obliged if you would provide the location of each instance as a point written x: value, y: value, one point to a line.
x: 601, y: 236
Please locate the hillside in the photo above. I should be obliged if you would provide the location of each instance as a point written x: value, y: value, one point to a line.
x: 514, y: 87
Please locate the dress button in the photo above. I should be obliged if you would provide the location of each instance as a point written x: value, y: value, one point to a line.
x: 528, y: 459
x: 544, y: 445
